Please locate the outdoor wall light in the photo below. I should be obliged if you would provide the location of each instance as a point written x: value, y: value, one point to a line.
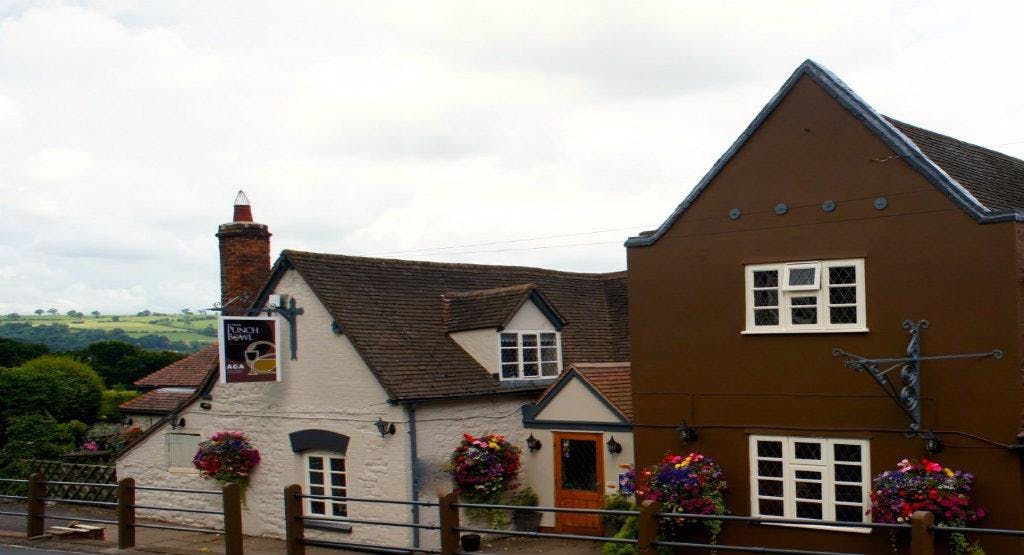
x: 932, y: 443
x: 614, y: 447
x: 177, y: 423
x: 686, y: 433
x: 335, y: 327
x: 533, y: 443
x: 205, y: 405
x: 384, y: 427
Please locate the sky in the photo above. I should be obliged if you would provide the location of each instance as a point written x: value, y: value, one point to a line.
x: 527, y: 133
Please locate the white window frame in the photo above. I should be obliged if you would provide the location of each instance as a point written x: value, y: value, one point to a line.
x: 330, y: 507
x: 820, y: 290
x: 519, y: 357
x: 826, y: 466
x: 188, y: 468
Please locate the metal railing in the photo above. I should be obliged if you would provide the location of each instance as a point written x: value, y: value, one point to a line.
x: 923, y: 531
x: 126, y: 507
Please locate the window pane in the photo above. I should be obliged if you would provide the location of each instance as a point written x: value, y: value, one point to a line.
x: 801, y: 276
x: 317, y: 507
x: 548, y: 340
x: 338, y: 480
x: 530, y: 369
x: 316, y: 463
x: 579, y: 465
x: 849, y: 493
x: 316, y: 478
x: 842, y: 295
x: 804, y: 301
x: 549, y: 368
x: 766, y: 317
x: 510, y: 355
x: 529, y: 340
x: 529, y: 355
x: 767, y: 297
x: 509, y: 370
x: 766, y: 278
x: 843, y: 314
x: 846, y: 452
x: 849, y: 513
x: 807, y: 451
x: 548, y: 353
x: 509, y: 340
x: 339, y: 509
x: 769, y: 507
x: 848, y: 473
x: 808, y: 510
x: 337, y: 465
x: 771, y: 488
x: 808, y: 490
x: 316, y: 490
x: 771, y: 449
x: 770, y: 469
x: 805, y: 316
x: 842, y: 274
x: 807, y: 475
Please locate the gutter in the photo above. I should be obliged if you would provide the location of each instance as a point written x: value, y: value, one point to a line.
x: 414, y: 481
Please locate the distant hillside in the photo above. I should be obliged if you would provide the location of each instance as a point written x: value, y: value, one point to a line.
x: 183, y: 333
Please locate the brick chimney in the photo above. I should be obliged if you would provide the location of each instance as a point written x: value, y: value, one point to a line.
x: 244, y: 258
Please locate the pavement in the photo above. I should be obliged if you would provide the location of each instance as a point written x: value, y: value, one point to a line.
x: 171, y: 542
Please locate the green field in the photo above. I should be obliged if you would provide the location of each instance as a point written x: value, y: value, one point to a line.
x: 176, y: 327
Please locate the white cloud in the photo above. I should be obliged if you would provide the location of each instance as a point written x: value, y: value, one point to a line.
x: 374, y: 127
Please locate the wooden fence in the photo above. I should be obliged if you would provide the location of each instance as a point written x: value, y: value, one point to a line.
x: 87, y: 479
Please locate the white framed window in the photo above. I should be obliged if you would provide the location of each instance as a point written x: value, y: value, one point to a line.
x: 325, y: 475
x: 817, y: 479
x: 810, y: 297
x: 181, y: 449
x: 529, y: 355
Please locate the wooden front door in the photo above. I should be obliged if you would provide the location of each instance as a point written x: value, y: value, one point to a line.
x: 579, y: 473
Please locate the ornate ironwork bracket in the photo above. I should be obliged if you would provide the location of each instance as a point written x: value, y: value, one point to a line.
x: 907, y: 393
x: 289, y: 314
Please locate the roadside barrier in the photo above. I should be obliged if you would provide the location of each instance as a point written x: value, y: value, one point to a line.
x: 35, y: 510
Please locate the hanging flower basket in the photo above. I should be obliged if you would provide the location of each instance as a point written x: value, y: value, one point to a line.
x: 483, y: 469
x: 924, y: 485
x: 227, y: 457
x: 693, y: 484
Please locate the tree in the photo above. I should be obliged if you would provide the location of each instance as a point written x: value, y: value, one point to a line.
x: 71, y: 313
x: 145, y: 312
x: 39, y: 312
x: 115, y: 318
x: 52, y: 311
x: 59, y: 386
x: 120, y: 364
x: 186, y: 311
x: 33, y: 436
x: 95, y: 314
x: 13, y: 316
x: 15, y: 353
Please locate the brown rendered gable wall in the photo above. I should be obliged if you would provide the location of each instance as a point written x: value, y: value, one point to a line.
x: 924, y: 259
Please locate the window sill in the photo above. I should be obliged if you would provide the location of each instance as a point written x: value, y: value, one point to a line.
x: 851, y: 529
x: 801, y: 332
x: 176, y: 470
x: 328, y: 526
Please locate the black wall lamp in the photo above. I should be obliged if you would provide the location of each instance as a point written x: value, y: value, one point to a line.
x: 336, y: 327
x: 932, y: 443
x: 204, y: 402
x: 384, y: 427
x: 177, y: 422
x: 614, y: 447
x: 686, y: 433
x: 533, y: 443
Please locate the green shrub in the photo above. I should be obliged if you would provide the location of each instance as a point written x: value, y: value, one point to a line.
x: 616, y: 502
x: 110, y: 406
x: 32, y: 436
x: 628, y: 531
x: 62, y: 387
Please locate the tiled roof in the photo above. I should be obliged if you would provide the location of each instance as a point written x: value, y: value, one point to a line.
x: 612, y: 380
x: 995, y: 179
x: 191, y: 371
x: 488, y: 308
x: 390, y: 310
x: 157, y: 401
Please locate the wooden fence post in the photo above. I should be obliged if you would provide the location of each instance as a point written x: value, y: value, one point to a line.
x: 294, y: 526
x: 922, y: 539
x: 35, y: 507
x: 126, y: 513
x: 232, y: 495
x: 647, y: 528
x: 449, y: 522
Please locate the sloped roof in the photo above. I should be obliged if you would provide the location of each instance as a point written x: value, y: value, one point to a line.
x: 612, y: 381
x: 391, y: 311
x: 157, y: 401
x: 983, y: 183
x: 191, y: 371
x: 492, y: 308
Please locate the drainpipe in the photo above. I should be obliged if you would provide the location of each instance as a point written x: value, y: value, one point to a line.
x: 414, y: 482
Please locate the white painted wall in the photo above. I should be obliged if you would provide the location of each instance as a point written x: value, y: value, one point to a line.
x: 529, y: 317
x: 328, y: 387
x: 482, y: 345
x: 575, y: 403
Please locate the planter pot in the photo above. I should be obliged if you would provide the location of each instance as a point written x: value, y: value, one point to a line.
x: 526, y: 521
x: 470, y: 542
x: 610, y: 529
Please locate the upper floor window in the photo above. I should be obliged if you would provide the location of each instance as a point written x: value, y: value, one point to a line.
x: 810, y: 478
x: 806, y: 296
x: 530, y: 355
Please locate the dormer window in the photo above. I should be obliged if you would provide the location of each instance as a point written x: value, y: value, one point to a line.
x: 530, y: 355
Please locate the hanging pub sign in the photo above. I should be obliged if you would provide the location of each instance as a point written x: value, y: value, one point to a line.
x: 248, y: 349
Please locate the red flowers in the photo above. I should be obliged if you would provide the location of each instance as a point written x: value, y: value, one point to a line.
x: 227, y: 457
